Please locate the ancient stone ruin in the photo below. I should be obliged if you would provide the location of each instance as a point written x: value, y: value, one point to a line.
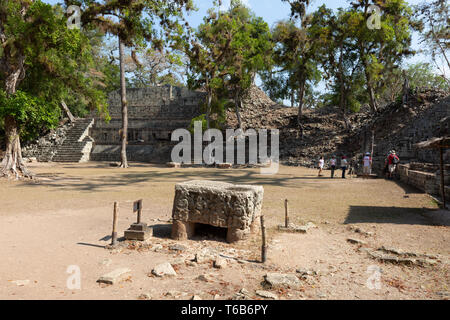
x: 153, y: 114
x: 222, y: 205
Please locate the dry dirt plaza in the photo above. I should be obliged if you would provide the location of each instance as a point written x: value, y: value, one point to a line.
x: 66, y: 219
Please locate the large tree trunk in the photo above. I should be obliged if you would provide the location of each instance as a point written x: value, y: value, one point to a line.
x: 208, y: 109
x: 370, y: 90
x: 12, y: 164
x: 301, y: 94
x: 123, y: 94
x: 67, y: 111
x: 372, y: 99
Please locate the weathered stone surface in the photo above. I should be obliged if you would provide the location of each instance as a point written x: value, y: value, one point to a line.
x: 280, y: 280
x: 224, y: 205
x: 164, y: 269
x: 145, y: 296
x: 267, y: 294
x: 177, y: 247
x: 243, y: 294
x: 205, y: 255
x: 205, y: 277
x: 115, y: 276
x: 306, y: 272
x: 399, y: 257
x: 138, y: 232
x: 220, y: 263
x: 356, y: 241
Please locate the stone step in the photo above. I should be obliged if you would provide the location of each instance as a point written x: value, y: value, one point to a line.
x: 71, y: 149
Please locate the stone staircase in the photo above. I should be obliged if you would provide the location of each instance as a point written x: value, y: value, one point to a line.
x: 78, y: 144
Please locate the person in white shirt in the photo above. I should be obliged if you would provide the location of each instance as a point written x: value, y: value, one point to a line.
x: 321, y: 164
x: 367, y: 165
x: 344, y: 164
x: 333, y: 163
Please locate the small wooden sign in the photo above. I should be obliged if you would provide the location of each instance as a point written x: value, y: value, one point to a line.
x: 137, y: 205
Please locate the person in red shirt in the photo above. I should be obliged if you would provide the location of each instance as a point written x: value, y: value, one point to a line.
x: 392, y: 160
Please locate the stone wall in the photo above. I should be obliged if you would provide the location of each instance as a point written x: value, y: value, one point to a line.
x: 45, y: 147
x: 153, y: 114
x: 402, y: 127
x: 428, y: 182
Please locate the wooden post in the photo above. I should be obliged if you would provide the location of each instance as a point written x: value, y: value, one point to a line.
x: 441, y: 149
x: 286, y: 216
x: 263, y: 247
x: 139, y: 212
x: 114, y: 231
x: 138, y: 207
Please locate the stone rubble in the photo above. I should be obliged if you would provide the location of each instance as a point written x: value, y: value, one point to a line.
x: 164, y: 269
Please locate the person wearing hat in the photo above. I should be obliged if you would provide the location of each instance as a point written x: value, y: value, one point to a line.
x: 333, y: 163
x: 344, y: 164
x: 392, y: 160
x: 367, y: 165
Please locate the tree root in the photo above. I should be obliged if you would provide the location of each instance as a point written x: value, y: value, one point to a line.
x: 11, y: 170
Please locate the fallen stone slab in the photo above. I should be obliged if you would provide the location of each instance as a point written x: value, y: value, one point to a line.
x: 164, y: 269
x: 357, y: 241
x: 267, y: 294
x: 403, y: 253
x: 115, y: 276
x: 391, y: 258
x: 280, y: 280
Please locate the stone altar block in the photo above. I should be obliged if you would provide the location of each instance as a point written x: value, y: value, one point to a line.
x: 219, y: 204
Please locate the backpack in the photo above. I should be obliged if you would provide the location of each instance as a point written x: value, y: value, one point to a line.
x: 395, y: 160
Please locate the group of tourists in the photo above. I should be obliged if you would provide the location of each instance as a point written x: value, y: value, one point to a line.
x: 390, y: 165
x: 333, y: 165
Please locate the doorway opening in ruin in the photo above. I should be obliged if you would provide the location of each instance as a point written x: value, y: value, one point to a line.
x: 210, y: 232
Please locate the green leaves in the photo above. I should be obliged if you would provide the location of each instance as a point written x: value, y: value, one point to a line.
x: 31, y: 113
x: 58, y: 63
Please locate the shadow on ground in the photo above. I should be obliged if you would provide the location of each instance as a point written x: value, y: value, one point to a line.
x: 119, y: 178
x: 395, y: 215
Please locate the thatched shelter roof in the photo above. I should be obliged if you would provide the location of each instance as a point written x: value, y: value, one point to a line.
x: 434, y: 143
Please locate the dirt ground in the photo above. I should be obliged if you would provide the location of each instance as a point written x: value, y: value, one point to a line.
x: 65, y: 220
